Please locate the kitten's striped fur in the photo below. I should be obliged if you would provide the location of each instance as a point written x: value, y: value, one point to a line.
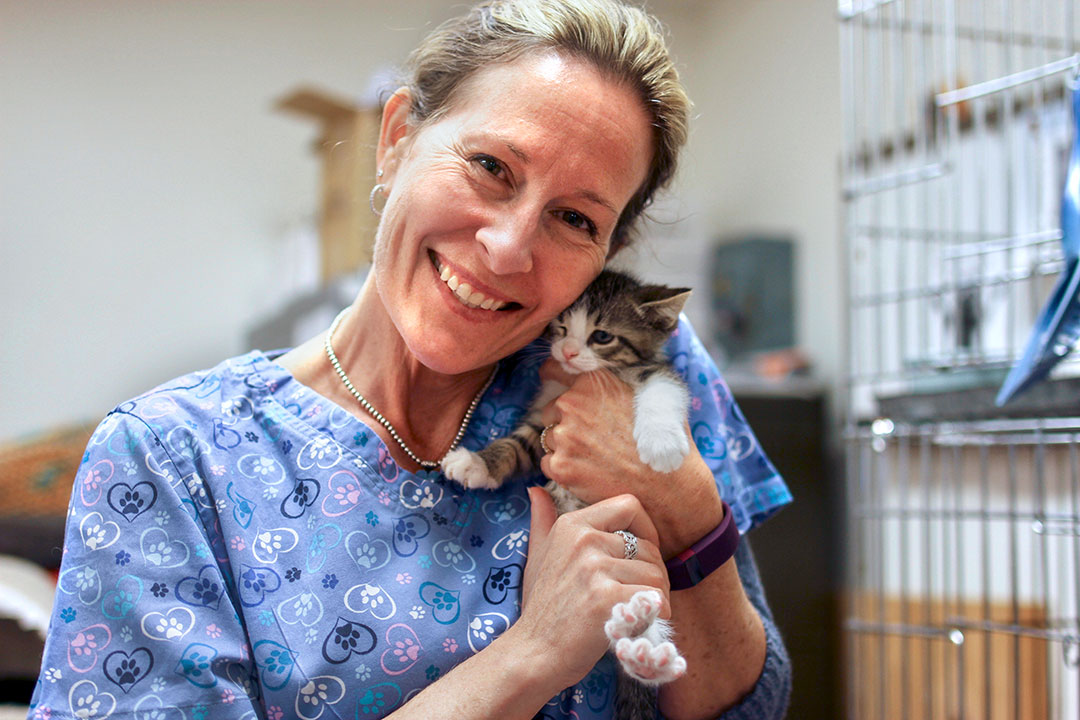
x: 618, y: 324
x: 621, y: 325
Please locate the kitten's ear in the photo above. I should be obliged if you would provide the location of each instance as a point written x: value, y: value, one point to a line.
x: 662, y: 304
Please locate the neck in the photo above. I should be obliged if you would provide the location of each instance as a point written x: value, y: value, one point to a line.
x: 425, y: 407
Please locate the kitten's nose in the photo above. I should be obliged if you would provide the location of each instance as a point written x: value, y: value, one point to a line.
x: 569, y: 353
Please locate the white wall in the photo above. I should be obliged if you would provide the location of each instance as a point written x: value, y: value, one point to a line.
x: 765, y: 79
x: 148, y: 191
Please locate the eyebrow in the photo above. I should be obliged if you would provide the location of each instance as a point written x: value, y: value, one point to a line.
x: 521, y: 155
x: 587, y: 194
x: 590, y: 195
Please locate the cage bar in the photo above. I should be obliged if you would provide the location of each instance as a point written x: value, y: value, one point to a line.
x: 963, y: 525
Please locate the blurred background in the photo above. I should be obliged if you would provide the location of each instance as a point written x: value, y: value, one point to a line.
x: 154, y: 200
x: 868, y: 211
x: 167, y: 168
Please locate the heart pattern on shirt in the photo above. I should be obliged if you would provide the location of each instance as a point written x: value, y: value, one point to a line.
x: 403, y: 649
x: 84, y: 647
x: 347, y: 638
x: 125, y: 669
x: 173, y: 624
x: 131, y: 501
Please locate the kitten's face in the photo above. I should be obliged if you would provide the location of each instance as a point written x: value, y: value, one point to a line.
x: 578, y: 343
x: 608, y: 332
x: 616, y: 323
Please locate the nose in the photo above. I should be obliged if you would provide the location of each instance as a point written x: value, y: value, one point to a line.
x: 570, y: 351
x: 509, y: 237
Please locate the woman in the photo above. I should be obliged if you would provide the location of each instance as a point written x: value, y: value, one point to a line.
x: 250, y: 542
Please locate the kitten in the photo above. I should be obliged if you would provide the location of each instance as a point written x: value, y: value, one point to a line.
x: 621, y: 325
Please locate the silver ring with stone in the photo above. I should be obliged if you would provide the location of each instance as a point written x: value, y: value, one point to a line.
x: 543, y: 439
x: 629, y: 544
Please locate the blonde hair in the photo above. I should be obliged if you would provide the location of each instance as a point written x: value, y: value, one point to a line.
x: 621, y: 41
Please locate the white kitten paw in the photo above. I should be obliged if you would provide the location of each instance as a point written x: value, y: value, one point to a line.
x: 661, y: 446
x: 630, y: 619
x: 660, y: 423
x: 648, y: 663
x: 468, y: 469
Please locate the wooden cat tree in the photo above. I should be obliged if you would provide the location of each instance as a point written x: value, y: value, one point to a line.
x: 346, y: 145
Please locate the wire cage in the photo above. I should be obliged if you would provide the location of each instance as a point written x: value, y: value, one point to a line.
x: 963, y: 519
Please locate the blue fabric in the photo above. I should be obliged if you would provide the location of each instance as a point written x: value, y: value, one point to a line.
x: 239, y: 546
x: 1057, y: 328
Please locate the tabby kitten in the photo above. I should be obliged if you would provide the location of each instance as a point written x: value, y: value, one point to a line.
x: 621, y: 325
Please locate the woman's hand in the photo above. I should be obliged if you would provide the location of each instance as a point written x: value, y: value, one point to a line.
x: 594, y: 455
x: 576, y: 573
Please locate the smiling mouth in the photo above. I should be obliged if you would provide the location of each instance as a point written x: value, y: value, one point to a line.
x: 466, y: 293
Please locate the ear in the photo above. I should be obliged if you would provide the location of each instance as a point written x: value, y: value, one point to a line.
x: 662, y: 304
x: 394, y: 131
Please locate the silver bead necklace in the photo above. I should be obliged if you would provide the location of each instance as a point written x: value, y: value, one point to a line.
x: 426, y: 464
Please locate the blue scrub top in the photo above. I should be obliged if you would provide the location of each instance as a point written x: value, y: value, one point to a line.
x: 240, y: 546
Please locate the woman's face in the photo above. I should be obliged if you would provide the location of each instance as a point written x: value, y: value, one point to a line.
x: 513, y: 193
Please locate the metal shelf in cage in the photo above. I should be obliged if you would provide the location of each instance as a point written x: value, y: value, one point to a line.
x: 964, y: 517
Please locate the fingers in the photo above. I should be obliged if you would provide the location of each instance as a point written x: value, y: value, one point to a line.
x: 550, y: 415
x: 597, y: 524
x: 644, y: 573
x: 552, y: 370
x: 622, y: 512
x: 647, y: 565
x: 641, y: 572
x: 577, y: 555
x: 648, y: 554
x: 543, y: 516
x: 596, y: 407
x: 603, y: 555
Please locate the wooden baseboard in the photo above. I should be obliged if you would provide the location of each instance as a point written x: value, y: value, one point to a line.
x: 987, y: 676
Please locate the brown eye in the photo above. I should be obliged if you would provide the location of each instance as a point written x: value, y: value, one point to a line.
x: 578, y: 221
x: 558, y: 330
x: 489, y: 163
x: 601, y: 337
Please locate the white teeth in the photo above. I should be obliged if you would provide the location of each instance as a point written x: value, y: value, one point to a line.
x: 465, y: 292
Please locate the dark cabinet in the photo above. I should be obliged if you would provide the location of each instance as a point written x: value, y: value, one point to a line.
x: 799, y: 549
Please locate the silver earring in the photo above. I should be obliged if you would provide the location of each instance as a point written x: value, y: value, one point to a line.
x: 371, y: 198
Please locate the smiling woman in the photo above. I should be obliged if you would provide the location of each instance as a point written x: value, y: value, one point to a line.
x: 512, y: 193
x: 270, y: 538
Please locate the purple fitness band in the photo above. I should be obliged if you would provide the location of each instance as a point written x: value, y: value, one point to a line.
x: 693, y: 564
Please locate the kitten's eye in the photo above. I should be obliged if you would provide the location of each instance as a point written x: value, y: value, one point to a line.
x: 490, y: 164
x: 558, y: 330
x: 601, y: 337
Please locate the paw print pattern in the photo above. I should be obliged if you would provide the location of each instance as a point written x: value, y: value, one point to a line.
x: 236, y: 540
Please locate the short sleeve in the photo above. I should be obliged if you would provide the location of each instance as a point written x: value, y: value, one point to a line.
x: 145, y: 617
x: 746, y: 478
